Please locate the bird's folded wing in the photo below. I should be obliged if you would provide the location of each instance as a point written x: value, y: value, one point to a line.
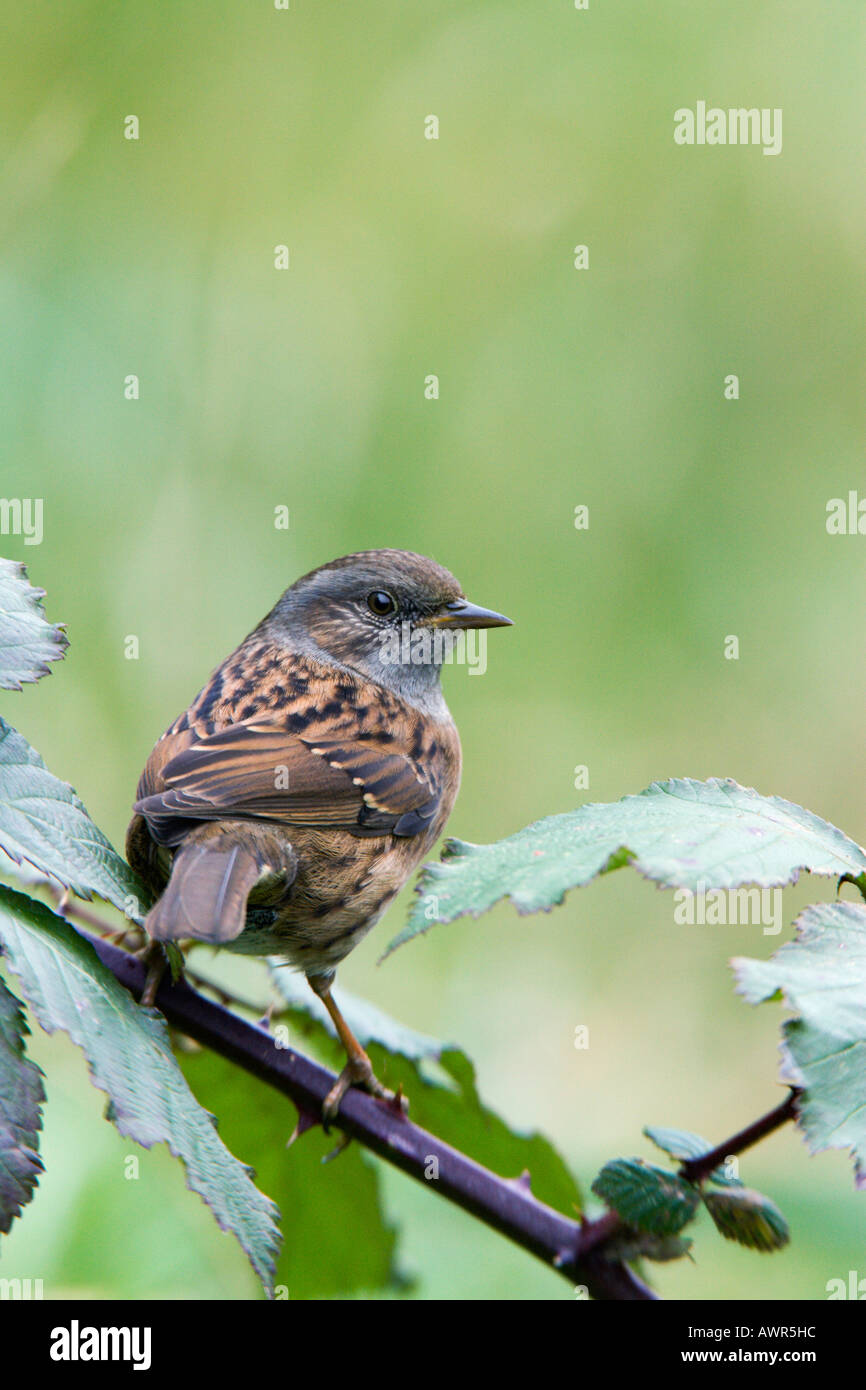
x: 259, y: 769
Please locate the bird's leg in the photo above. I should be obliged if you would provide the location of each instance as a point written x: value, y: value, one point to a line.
x: 154, y: 958
x: 358, y: 1070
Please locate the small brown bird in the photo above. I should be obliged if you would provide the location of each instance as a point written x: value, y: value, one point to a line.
x: 281, y: 813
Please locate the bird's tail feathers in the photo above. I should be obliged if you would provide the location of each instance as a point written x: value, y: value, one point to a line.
x: 213, y: 873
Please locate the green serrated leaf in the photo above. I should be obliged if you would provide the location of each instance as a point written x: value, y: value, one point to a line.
x: 130, y: 1058
x: 822, y: 975
x: 43, y: 822
x: 21, y: 1099
x: 695, y: 835
x: 749, y: 1218
x: 832, y: 1070
x: 822, y: 972
x: 28, y: 642
x: 684, y: 1145
x: 647, y: 1197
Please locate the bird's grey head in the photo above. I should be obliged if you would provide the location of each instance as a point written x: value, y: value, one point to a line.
x: 390, y: 615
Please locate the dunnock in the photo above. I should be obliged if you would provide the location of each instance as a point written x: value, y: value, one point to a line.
x: 281, y: 813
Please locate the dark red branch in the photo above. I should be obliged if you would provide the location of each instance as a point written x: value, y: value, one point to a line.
x: 695, y: 1169
x: 574, y: 1250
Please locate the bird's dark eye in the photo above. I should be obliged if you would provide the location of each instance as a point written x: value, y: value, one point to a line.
x: 380, y: 603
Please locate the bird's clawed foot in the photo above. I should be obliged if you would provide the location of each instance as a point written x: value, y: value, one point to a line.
x: 358, y: 1071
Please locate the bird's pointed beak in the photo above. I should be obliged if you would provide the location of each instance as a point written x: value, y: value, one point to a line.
x: 462, y: 613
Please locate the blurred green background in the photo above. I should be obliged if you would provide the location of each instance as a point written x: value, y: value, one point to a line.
x: 305, y: 388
